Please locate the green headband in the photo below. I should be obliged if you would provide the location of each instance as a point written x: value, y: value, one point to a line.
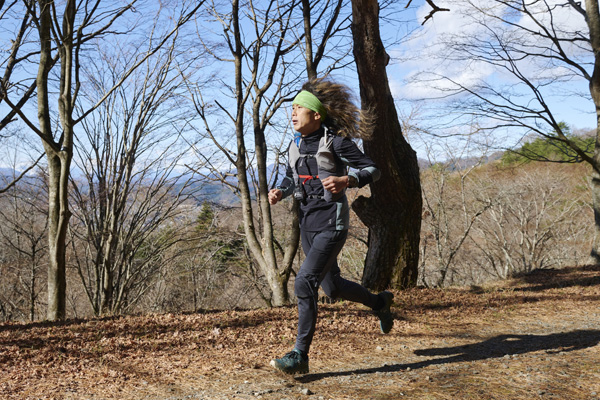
x: 310, y: 101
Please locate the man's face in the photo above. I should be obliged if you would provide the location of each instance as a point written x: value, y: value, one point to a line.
x: 304, y: 120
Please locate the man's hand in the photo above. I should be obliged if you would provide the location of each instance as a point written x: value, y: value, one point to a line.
x: 274, y: 196
x: 335, y: 184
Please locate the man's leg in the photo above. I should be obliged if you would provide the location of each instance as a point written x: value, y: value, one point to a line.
x: 337, y: 287
x: 322, y: 249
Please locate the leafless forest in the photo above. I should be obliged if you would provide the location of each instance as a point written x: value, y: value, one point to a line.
x: 482, y: 223
x: 138, y: 142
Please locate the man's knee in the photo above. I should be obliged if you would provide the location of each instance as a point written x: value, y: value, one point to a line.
x: 331, y: 292
x: 305, y: 286
x: 330, y: 286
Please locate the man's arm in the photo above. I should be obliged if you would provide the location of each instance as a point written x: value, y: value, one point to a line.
x: 367, y: 172
x: 284, y: 189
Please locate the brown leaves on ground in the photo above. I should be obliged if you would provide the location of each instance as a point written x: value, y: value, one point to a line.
x: 532, y: 337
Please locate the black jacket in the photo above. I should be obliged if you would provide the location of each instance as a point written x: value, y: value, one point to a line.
x: 316, y: 214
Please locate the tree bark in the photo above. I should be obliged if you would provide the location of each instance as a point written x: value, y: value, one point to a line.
x: 59, y: 160
x: 262, y: 250
x: 593, y: 22
x: 58, y: 221
x: 393, y: 212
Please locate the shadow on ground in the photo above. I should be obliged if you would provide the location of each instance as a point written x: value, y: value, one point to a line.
x: 543, y: 279
x: 498, y: 346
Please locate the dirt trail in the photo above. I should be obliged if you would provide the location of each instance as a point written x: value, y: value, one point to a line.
x: 528, y: 338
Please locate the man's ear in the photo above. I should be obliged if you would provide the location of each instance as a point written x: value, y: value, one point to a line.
x: 317, y: 116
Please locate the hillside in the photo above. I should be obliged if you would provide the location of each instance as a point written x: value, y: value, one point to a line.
x: 527, y: 338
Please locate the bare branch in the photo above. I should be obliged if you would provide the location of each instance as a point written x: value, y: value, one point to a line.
x: 182, y: 20
x: 18, y: 178
x: 434, y: 7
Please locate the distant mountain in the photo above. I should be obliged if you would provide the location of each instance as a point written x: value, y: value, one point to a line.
x: 423, y: 164
x: 8, y: 173
x: 216, y: 192
x: 462, y: 163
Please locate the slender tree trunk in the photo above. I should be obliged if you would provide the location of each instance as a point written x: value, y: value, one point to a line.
x: 311, y: 68
x: 58, y: 214
x: 107, y: 279
x: 32, y: 281
x: 261, y: 246
x: 59, y: 153
x: 393, y: 212
x: 277, y: 279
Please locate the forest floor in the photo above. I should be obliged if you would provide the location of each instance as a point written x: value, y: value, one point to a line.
x: 535, y: 337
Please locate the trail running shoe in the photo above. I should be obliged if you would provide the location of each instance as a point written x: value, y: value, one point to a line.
x: 292, y: 363
x: 386, y: 320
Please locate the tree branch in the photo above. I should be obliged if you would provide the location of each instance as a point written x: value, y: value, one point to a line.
x: 434, y: 7
x: 18, y: 178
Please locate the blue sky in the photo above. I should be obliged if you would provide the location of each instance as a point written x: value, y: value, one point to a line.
x: 426, y: 55
x: 415, y: 50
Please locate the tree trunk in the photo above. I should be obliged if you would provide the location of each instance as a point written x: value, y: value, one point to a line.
x: 262, y: 246
x: 107, y: 279
x: 393, y: 212
x: 59, y: 159
x: 593, y: 21
x: 58, y: 221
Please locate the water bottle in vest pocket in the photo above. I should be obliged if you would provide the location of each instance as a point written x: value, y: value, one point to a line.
x: 327, y: 165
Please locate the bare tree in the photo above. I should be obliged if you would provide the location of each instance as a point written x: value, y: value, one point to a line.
x: 12, y: 14
x: 216, y: 260
x: 334, y: 25
x: 23, y: 228
x: 263, y: 49
x: 23, y: 90
x: 64, y: 36
x: 545, y: 48
x: 451, y: 210
x: 133, y: 183
x: 532, y: 223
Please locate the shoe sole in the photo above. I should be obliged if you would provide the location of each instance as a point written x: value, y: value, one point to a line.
x: 300, y: 371
x: 389, y: 308
x: 386, y: 331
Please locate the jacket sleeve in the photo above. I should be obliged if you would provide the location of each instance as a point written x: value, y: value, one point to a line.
x: 287, y: 183
x: 366, y: 170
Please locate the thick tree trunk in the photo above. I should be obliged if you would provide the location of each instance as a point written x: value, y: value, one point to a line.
x: 393, y: 212
x: 59, y: 153
x: 593, y: 21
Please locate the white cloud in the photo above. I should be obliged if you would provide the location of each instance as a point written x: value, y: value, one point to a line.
x: 423, y: 55
x: 428, y: 54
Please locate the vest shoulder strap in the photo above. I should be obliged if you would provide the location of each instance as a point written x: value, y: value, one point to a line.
x: 327, y: 162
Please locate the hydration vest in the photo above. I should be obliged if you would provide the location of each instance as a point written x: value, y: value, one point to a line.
x: 326, y: 163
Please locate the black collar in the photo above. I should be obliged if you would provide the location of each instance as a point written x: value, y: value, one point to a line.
x: 316, y: 135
